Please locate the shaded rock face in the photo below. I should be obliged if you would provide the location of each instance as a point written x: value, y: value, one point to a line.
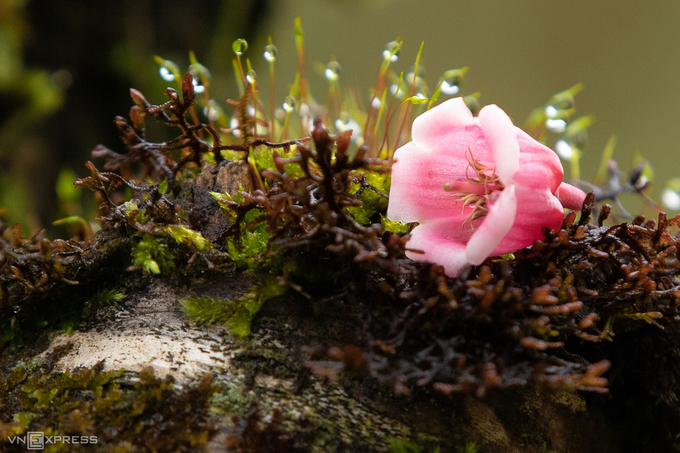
x: 149, y: 330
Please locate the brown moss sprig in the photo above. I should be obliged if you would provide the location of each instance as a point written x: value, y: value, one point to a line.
x: 32, y: 265
x: 309, y: 194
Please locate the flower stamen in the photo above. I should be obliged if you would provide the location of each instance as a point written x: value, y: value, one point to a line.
x: 476, y: 190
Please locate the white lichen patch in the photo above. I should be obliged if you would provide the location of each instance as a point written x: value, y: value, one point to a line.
x: 185, y: 358
x: 147, y: 331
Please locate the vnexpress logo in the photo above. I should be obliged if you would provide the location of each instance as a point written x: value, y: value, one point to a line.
x: 35, y: 440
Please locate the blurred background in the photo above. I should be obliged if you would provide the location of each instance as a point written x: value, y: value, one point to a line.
x: 66, y: 68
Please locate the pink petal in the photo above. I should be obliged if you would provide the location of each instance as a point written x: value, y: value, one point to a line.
x: 534, y: 152
x: 536, y: 209
x: 439, y: 120
x: 536, y: 173
x: 571, y: 197
x: 493, y: 229
x: 417, y: 187
x: 501, y: 137
x: 439, y: 246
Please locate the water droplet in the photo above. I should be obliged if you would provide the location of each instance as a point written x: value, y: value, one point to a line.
x: 671, y: 199
x: 420, y: 96
x: 16, y: 309
x: 289, y: 104
x: 239, y: 46
x: 564, y: 149
x: 375, y: 103
x: 397, y: 91
x: 251, y: 77
x: 449, y: 89
x: 332, y: 70
x: 391, y: 51
x: 250, y: 110
x: 270, y: 53
x: 198, y: 88
x: 641, y: 182
x: 345, y: 122
x: 213, y: 111
x: 233, y: 124
x: 551, y: 111
x: 412, y: 79
x: 166, y: 74
x: 556, y: 125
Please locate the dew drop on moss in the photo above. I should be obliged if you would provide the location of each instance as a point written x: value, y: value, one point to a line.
x: 289, y: 104
x: 671, y: 199
x: 397, y: 91
x: 564, y: 149
x: 270, y: 53
x: 332, y: 71
x: 390, y: 52
x: 239, y: 46
x: 556, y: 125
x: 166, y: 74
x: 551, y: 111
x: 449, y: 89
x: 251, y: 77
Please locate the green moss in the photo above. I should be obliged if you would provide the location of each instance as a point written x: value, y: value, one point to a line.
x: 407, y: 446
x: 124, y: 412
x: 372, y: 193
x: 151, y: 254
x: 189, y: 237
x: 393, y: 226
x: 236, y: 314
x: 250, y: 249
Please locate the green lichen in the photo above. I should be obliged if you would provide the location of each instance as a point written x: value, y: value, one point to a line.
x: 234, y: 399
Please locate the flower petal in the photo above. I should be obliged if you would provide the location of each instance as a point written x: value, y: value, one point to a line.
x: 493, y: 229
x: 536, y: 209
x: 533, y: 152
x: 501, y: 137
x: 439, y: 120
x: 439, y: 247
x: 571, y: 197
x: 417, y: 187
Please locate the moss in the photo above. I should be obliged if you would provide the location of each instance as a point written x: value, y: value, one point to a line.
x: 236, y: 314
x: 406, y: 446
x: 126, y: 412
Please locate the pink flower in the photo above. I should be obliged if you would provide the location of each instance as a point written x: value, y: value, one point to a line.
x: 478, y: 187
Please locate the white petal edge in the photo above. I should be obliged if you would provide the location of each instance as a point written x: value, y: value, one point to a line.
x: 440, y: 120
x: 501, y: 136
x: 496, y: 225
x: 437, y: 248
